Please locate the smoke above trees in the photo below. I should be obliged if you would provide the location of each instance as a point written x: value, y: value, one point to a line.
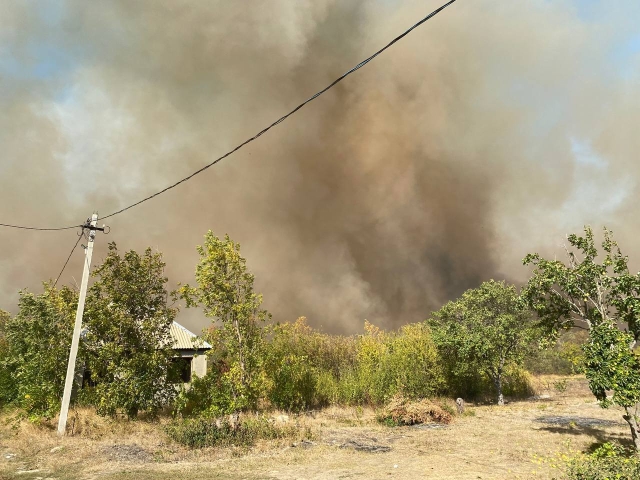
x: 487, y: 133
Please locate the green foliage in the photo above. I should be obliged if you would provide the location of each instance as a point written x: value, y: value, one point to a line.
x: 225, y: 291
x: 584, y: 290
x: 8, y: 386
x: 563, y: 357
x: 606, y: 297
x: 611, y: 366
x: 294, y: 383
x: 485, y: 332
x: 516, y: 384
x: 610, y: 449
x: 405, y: 362
x: 198, y: 398
x: 306, y: 368
x: 413, y: 362
x: 128, y: 341
x: 290, y: 359
x: 208, y: 432
x: 609, y: 462
x: 37, y: 342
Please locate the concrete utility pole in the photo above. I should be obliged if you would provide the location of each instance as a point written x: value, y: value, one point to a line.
x: 71, y: 366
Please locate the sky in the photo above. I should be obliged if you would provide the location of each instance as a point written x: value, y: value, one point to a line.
x: 492, y: 131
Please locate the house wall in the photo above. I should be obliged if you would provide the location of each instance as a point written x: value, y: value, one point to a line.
x: 199, y: 366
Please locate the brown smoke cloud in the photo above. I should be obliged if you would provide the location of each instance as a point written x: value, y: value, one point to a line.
x: 437, y: 166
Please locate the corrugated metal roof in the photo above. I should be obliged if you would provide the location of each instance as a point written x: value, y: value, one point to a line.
x: 185, y: 339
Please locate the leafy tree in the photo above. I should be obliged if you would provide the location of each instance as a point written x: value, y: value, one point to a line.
x: 602, y: 297
x: 38, y: 340
x: 225, y: 291
x: 7, y: 382
x: 128, y: 341
x: 487, y: 330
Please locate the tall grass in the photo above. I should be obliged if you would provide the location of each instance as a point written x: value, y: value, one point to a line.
x: 308, y: 369
x: 304, y: 368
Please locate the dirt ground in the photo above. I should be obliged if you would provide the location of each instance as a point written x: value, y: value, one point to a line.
x: 523, y: 440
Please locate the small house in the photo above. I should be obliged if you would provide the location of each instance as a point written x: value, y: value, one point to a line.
x: 190, y: 352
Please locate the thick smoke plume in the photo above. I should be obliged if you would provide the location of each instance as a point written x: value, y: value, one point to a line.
x: 488, y: 133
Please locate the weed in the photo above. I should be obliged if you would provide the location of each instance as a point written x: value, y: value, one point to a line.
x: 208, y: 432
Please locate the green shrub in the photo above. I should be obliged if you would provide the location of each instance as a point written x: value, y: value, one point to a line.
x: 404, y: 362
x: 412, y: 363
x: 563, y: 357
x: 208, y: 432
x: 294, y: 383
x: 303, y: 367
x: 351, y: 389
x: 327, y: 389
x: 38, y: 339
x: 609, y: 462
x: 471, y: 384
x: 8, y: 387
x: 517, y: 383
x: 212, y: 395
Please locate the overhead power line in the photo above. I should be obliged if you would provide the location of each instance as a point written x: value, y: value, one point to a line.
x: 68, y: 258
x: 264, y: 130
x: 22, y: 227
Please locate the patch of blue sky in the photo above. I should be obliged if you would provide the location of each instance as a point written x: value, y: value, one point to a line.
x: 627, y: 46
x: 625, y: 55
x: 45, y: 56
x: 50, y: 12
x: 38, y: 61
x: 596, y: 191
x: 588, y: 10
x: 583, y: 154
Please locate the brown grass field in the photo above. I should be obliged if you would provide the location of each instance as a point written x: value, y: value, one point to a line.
x: 523, y: 440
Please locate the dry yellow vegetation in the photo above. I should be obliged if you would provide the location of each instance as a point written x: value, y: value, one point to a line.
x: 524, y: 439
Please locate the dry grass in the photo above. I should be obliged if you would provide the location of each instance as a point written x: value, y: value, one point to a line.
x: 401, y: 411
x: 521, y: 440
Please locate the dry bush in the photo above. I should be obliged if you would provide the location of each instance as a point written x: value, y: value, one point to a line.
x: 401, y: 411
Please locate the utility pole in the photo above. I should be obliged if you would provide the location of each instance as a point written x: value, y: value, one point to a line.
x: 71, y: 366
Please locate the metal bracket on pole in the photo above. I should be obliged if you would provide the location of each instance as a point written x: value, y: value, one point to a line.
x: 68, y: 384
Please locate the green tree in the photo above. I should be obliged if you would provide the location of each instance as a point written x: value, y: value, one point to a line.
x: 7, y: 382
x: 128, y: 342
x: 38, y: 340
x: 225, y: 292
x: 603, y: 297
x: 488, y: 329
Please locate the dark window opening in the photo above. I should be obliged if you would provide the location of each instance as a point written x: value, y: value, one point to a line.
x: 183, y: 369
x: 87, y: 381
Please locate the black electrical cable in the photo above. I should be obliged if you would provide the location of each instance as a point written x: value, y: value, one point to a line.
x: 263, y: 131
x: 284, y: 117
x: 22, y: 227
x: 68, y: 258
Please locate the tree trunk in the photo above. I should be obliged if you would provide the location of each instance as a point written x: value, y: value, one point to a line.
x: 633, y: 425
x: 497, y: 381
